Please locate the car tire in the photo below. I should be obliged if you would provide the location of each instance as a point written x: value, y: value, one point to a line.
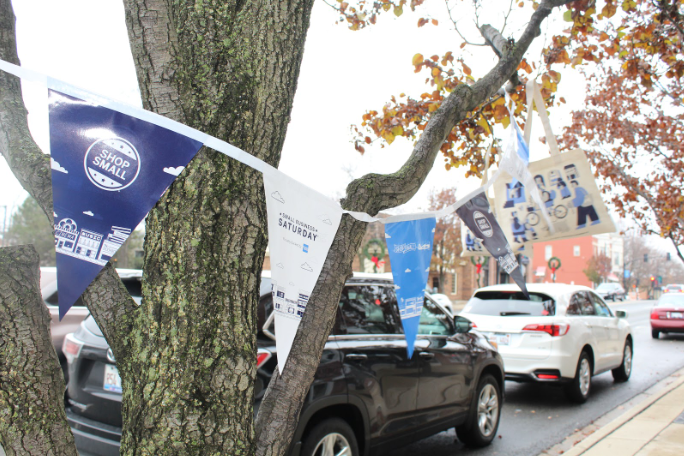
x: 655, y: 334
x: 622, y: 372
x: 332, y: 436
x: 485, y: 411
x: 579, y: 388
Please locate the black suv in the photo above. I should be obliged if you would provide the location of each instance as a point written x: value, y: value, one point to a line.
x: 367, y: 395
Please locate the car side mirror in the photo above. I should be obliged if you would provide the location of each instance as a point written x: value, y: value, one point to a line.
x: 621, y: 314
x: 462, y: 324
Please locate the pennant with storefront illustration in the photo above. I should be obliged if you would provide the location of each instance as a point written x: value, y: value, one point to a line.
x: 302, y: 224
x: 410, y: 251
x: 478, y: 217
x: 108, y: 170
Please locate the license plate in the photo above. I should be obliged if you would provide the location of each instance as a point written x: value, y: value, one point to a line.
x: 676, y: 315
x: 112, y: 381
x: 501, y: 339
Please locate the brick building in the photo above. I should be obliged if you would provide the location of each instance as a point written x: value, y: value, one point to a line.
x: 574, y: 255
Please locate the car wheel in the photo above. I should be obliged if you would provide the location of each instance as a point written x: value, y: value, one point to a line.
x: 578, y: 390
x: 331, y: 437
x: 655, y: 334
x: 483, y: 419
x: 622, y: 373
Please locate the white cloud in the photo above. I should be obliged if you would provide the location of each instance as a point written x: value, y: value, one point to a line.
x: 90, y: 213
x: 407, y: 270
x: 387, y: 236
x: 174, y: 171
x: 57, y: 167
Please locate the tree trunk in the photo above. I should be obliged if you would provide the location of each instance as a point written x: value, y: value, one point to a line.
x: 32, y: 418
x: 188, y: 367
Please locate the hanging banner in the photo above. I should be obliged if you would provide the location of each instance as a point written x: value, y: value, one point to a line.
x: 571, y: 201
x: 478, y: 217
x: 302, y: 224
x: 410, y: 251
x: 472, y: 246
x: 108, y: 170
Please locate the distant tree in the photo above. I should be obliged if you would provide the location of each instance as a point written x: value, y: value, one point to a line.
x: 447, y: 243
x: 632, y: 122
x: 598, y: 268
x: 29, y: 226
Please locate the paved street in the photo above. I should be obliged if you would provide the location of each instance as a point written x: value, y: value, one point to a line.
x: 536, y: 417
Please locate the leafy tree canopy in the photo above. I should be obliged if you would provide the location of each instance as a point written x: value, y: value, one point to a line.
x: 630, y: 52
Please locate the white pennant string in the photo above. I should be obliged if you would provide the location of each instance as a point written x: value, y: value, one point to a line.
x: 214, y: 143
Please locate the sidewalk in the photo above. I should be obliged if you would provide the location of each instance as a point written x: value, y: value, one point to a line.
x: 654, y: 426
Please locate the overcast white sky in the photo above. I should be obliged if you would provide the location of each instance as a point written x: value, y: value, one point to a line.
x: 343, y: 74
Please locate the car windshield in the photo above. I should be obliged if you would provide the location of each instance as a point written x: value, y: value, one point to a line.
x: 671, y: 300
x: 673, y: 288
x: 510, y: 304
x: 606, y: 287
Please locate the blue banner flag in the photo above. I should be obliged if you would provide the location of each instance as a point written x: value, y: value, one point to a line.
x: 410, y: 250
x: 108, y: 170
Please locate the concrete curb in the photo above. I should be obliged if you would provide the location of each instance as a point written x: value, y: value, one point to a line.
x: 611, y: 427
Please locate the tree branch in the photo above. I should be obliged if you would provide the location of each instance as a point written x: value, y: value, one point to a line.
x: 32, y: 417
x: 373, y: 192
x: 285, y: 394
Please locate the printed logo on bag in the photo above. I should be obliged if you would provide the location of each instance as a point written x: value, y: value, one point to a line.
x: 112, y: 164
x: 483, y: 224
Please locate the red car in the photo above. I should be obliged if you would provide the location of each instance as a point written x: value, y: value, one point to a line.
x: 667, y: 316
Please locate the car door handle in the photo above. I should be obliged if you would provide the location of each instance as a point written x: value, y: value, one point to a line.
x: 427, y: 355
x: 356, y: 356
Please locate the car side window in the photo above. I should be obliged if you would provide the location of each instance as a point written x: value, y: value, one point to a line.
x: 433, y: 321
x: 602, y: 310
x: 585, y: 304
x: 574, y: 306
x: 369, y: 309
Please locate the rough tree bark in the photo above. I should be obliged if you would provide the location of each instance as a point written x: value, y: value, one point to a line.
x: 186, y: 355
x: 32, y: 418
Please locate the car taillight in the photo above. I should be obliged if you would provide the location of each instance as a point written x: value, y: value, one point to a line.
x: 654, y: 315
x: 553, y: 330
x: 71, y: 348
x: 262, y: 357
x: 547, y: 377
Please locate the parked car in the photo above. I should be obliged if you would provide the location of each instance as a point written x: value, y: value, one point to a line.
x: 367, y: 395
x: 673, y: 288
x: 667, y: 316
x: 564, y: 334
x: 612, y: 291
x: 77, y: 313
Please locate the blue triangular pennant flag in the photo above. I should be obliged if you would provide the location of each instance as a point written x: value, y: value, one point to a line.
x: 410, y: 250
x: 108, y: 170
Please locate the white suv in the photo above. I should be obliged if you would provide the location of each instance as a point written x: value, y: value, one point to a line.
x: 564, y: 334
